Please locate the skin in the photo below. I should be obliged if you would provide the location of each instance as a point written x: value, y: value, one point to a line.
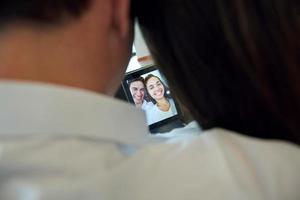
x: 91, y: 52
x: 137, y: 90
x: 156, y: 90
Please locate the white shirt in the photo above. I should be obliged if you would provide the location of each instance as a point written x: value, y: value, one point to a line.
x: 217, y: 164
x: 155, y: 114
x: 64, y: 143
x: 146, y: 105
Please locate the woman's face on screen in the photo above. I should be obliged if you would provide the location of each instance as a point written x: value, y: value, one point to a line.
x: 155, y: 88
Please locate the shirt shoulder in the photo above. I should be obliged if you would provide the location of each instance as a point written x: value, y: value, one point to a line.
x: 216, y: 164
x: 147, y: 105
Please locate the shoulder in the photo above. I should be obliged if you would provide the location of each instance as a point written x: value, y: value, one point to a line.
x: 216, y: 164
x: 152, y: 108
x: 147, y: 105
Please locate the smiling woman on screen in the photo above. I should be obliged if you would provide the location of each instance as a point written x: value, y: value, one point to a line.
x: 164, y: 107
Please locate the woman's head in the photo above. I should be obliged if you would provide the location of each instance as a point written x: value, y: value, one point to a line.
x: 155, y: 88
x: 236, y: 64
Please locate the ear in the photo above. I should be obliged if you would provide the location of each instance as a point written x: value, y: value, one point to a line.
x: 121, y: 17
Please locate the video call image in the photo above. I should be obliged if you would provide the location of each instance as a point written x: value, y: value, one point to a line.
x: 150, y: 92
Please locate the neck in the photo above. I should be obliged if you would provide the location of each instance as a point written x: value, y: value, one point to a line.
x: 52, y: 56
x: 139, y: 104
x: 163, y: 104
x: 162, y: 101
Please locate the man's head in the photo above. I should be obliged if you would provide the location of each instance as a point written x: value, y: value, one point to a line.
x: 79, y: 43
x: 137, y: 90
x: 47, y: 11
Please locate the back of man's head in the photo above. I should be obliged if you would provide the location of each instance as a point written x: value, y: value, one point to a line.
x: 79, y: 43
x: 46, y: 11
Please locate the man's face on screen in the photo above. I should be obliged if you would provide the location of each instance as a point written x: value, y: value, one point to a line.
x: 137, y: 90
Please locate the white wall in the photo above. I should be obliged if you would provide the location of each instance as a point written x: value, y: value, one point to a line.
x: 139, y: 43
x: 142, y: 57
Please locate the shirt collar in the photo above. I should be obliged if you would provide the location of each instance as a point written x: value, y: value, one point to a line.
x: 31, y: 108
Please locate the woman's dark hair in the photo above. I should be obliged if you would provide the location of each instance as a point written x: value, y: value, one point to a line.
x: 235, y: 63
x: 166, y: 89
x: 40, y: 11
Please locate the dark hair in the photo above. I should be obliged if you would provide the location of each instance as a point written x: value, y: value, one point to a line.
x: 236, y: 63
x: 40, y: 11
x: 166, y: 89
x: 141, y: 79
